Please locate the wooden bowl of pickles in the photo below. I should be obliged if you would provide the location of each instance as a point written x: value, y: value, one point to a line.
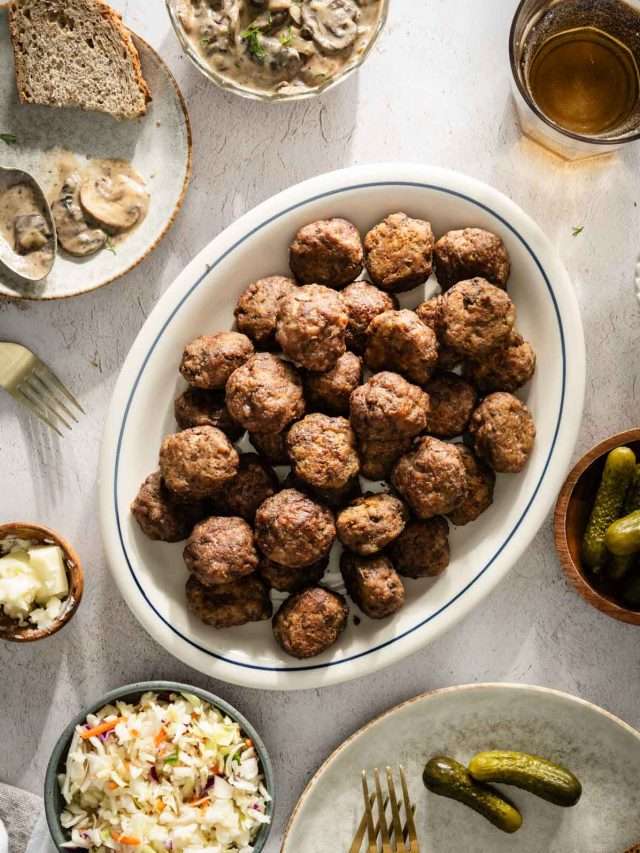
x: 597, y: 526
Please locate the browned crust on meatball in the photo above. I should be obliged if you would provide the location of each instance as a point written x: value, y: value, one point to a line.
x: 330, y: 392
x: 323, y: 451
x: 505, y: 369
x: 503, y: 432
x: 431, y: 478
x: 265, y: 394
x: 477, y: 317
x: 159, y: 515
x: 422, y: 549
x: 208, y: 361
x: 257, y: 309
x: 253, y: 484
x: 470, y: 252
x: 363, y: 302
x: 377, y: 458
x: 327, y: 252
x: 371, y: 522
x: 399, y: 252
x: 481, y: 482
x: 400, y: 341
x: 311, y: 327
x: 231, y: 604
x: 452, y: 403
x: 334, y: 498
x: 431, y: 313
x: 196, y: 462
x: 310, y: 622
x: 285, y: 579
x: 294, y: 530
x: 220, y: 550
x: 373, y: 583
x: 197, y: 407
x: 387, y: 407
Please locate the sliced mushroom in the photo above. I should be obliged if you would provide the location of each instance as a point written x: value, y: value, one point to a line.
x: 74, y: 233
x: 115, y: 200
x: 31, y: 233
x: 331, y: 23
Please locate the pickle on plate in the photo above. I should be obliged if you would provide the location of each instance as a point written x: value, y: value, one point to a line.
x: 448, y: 778
x: 618, y: 473
x: 541, y: 777
x: 623, y: 536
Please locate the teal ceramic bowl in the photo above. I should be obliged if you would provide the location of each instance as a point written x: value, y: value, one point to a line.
x: 53, y: 802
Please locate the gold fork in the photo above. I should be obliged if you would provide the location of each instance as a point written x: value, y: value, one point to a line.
x: 405, y: 839
x: 32, y: 383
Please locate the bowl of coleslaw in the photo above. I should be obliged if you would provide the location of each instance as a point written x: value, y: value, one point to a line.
x: 160, y: 766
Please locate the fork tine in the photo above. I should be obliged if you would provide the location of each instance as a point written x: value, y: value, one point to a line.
x: 384, y: 829
x: 53, y: 379
x: 408, y: 810
x: 22, y: 398
x: 371, y: 835
x: 395, y: 814
x: 46, y: 401
x: 51, y: 391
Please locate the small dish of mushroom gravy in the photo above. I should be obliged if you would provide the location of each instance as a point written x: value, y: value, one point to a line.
x: 277, y: 49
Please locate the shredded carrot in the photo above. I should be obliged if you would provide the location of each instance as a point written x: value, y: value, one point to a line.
x: 199, y: 802
x: 159, y: 806
x: 111, y: 786
x: 129, y: 840
x: 101, y: 729
x: 248, y: 743
x: 161, y: 736
x: 135, y: 732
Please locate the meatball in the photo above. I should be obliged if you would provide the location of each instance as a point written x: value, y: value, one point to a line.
x: 431, y: 314
x: 310, y: 622
x: 294, y: 530
x: 452, y: 403
x: 363, y: 302
x: 422, y: 549
x: 196, y: 462
x: 285, y: 579
x: 327, y: 252
x: 461, y: 255
x: 431, y: 478
x: 332, y: 497
x: 323, y: 451
x: 221, y: 550
x: 373, y: 583
x: 477, y: 317
x: 160, y: 515
x: 505, y: 369
x: 400, y: 341
x: 230, y: 604
x: 253, y: 484
x: 399, y: 252
x: 210, y: 360
x: 271, y: 445
x: 197, y: 407
x: 257, y: 309
x: 503, y: 432
x: 265, y: 394
x: 312, y: 323
x: 387, y: 407
x: 331, y: 391
x: 369, y: 523
x: 377, y: 458
x: 480, y: 485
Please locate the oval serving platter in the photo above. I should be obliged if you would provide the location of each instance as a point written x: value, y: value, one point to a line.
x: 600, y: 749
x: 151, y: 576
x: 163, y: 135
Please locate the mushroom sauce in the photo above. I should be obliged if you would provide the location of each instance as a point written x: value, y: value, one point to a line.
x: 26, y: 241
x: 280, y: 46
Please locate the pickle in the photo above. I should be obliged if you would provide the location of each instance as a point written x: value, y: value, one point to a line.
x: 619, y: 567
x: 623, y: 536
x: 543, y: 778
x: 616, y: 479
x: 448, y: 778
x: 631, y: 590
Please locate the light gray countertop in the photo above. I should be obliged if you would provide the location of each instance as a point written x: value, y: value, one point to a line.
x: 436, y: 90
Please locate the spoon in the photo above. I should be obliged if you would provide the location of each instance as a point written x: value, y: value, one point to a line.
x: 34, y: 266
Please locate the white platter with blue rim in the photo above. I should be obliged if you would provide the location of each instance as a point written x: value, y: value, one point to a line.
x: 151, y: 576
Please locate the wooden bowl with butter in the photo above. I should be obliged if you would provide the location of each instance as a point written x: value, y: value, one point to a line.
x: 37, y: 536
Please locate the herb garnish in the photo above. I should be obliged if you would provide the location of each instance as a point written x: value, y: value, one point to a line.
x: 286, y: 37
x: 253, y: 38
x: 108, y: 244
x: 577, y: 230
x: 173, y: 758
x: 8, y: 138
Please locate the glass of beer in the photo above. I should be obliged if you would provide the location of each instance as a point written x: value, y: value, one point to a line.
x: 576, y: 74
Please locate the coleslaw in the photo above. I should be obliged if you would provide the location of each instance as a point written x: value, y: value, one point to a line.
x: 168, y: 773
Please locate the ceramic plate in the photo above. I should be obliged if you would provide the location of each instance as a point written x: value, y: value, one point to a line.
x: 162, y: 136
x: 150, y: 574
x: 601, y: 750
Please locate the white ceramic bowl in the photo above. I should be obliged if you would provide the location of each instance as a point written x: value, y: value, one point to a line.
x: 150, y: 575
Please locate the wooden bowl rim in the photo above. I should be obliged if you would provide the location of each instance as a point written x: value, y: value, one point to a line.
x: 573, y: 571
x: 76, y: 582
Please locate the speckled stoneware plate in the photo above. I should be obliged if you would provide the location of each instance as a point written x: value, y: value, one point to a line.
x: 161, y: 137
x: 151, y: 576
x: 601, y: 750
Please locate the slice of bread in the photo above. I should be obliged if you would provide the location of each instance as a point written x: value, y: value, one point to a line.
x: 76, y: 53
